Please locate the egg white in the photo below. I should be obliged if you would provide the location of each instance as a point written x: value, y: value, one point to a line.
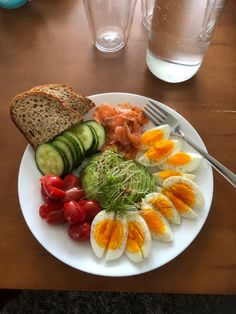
x: 144, y: 250
x: 193, y: 164
x: 145, y: 161
x: 97, y: 249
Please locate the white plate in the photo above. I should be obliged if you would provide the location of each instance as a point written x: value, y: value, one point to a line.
x: 80, y: 255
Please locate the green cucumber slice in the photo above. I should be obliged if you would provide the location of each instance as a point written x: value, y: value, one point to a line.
x: 99, y: 129
x: 84, y: 133
x: 49, y: 160
x: 70, y: 145
x: 78, y: 146
x: 66, y: 150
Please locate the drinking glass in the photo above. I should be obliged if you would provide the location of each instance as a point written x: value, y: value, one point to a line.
x: 180, y: 34
x: 110, y: 22
x: 147, y: 10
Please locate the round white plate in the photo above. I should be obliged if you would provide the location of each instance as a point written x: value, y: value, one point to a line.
x: 80, y: 255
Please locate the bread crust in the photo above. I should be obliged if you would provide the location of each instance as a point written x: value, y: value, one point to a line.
x: 78, y: 102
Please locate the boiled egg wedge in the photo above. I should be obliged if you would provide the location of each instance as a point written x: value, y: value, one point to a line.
x: 184, y: 194
x: 152, y: 136
x: 100, y: 233
x: 159, y: 152
x: 182, y: 161
x: 108, y: 235
x: 117, y: 242
x: 157, y: 223
x: 161, y: 176
x: 161, y: 203
x: 139, y: 239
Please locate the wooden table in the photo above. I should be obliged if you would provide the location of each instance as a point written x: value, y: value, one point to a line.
x: 49, y: 41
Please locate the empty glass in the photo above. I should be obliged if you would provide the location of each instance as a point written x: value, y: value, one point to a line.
x: 147, y: 10
x: 110, y: 22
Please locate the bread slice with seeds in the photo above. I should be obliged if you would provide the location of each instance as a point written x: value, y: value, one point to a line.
x: 66, y: 94
x: 41, y: 116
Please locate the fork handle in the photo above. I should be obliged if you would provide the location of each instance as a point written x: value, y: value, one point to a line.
x: 225, y: 172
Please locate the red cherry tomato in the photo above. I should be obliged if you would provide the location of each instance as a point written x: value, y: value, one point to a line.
x: 53, y: 192
x: 91, y: 208
x: 56, y: 217
x: 79, y: 232
x: 71, y: 181
x: 73, y: 212
x: 46, y: 198
x: 45, y: 209
x: 74, y: 194
x: 54, y: 181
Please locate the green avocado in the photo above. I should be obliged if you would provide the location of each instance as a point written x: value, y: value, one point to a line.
x: 116, y: 183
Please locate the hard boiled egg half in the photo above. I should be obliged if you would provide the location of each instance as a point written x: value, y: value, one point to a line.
x: 161, y: 176
x: 108, y: 235
x: 139, y: 240
x: 184, y: 194
x: 157, y: 223
x: 161, y: 203
x: 181, y: 161
x: 159, y: 152
x: 152, y: 136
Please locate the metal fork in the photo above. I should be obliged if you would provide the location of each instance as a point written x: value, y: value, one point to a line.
x: 158, y: 116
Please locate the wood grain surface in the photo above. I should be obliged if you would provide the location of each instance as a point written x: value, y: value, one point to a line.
x: 49, y: 41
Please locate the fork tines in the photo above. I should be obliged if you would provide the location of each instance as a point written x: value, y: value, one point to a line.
x: 156, y: 114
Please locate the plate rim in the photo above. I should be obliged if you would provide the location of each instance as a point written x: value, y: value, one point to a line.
x: 211, y: 186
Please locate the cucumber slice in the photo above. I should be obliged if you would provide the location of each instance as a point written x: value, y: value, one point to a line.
x: 64, y: 158
x: 78, y: 146
x: 93, y: 148
x: 49, y: 160
x: 66, y: 150
x: 71, y: 146
x: 84, y: 133
x: 99, y: 129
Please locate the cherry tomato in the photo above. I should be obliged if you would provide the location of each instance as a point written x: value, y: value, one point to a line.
x: 74, y: 194
x: 46, y: 198
x: 91, y: 208
x: 56, y: 217
x: 71, y: 181
x: 54, y: 192
x: 73, y: 212
x: 54, y: 181
x: 79, y: 232
x: 45, y: 209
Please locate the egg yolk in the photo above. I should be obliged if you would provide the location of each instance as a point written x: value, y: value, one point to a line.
x: 184, y: 192
x: 102, y: 232
x: 162, y: 205
x: 160, y: 150
x: 169, y: 173
x: 135, y: 238
x: 153, y: 221
x: 179, y: 159
x: 151, y: 137
x: 178, y: 203
x: 116, y: 235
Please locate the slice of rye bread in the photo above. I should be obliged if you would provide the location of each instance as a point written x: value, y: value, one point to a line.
x: 40, y: 116
x: 80, y: 103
